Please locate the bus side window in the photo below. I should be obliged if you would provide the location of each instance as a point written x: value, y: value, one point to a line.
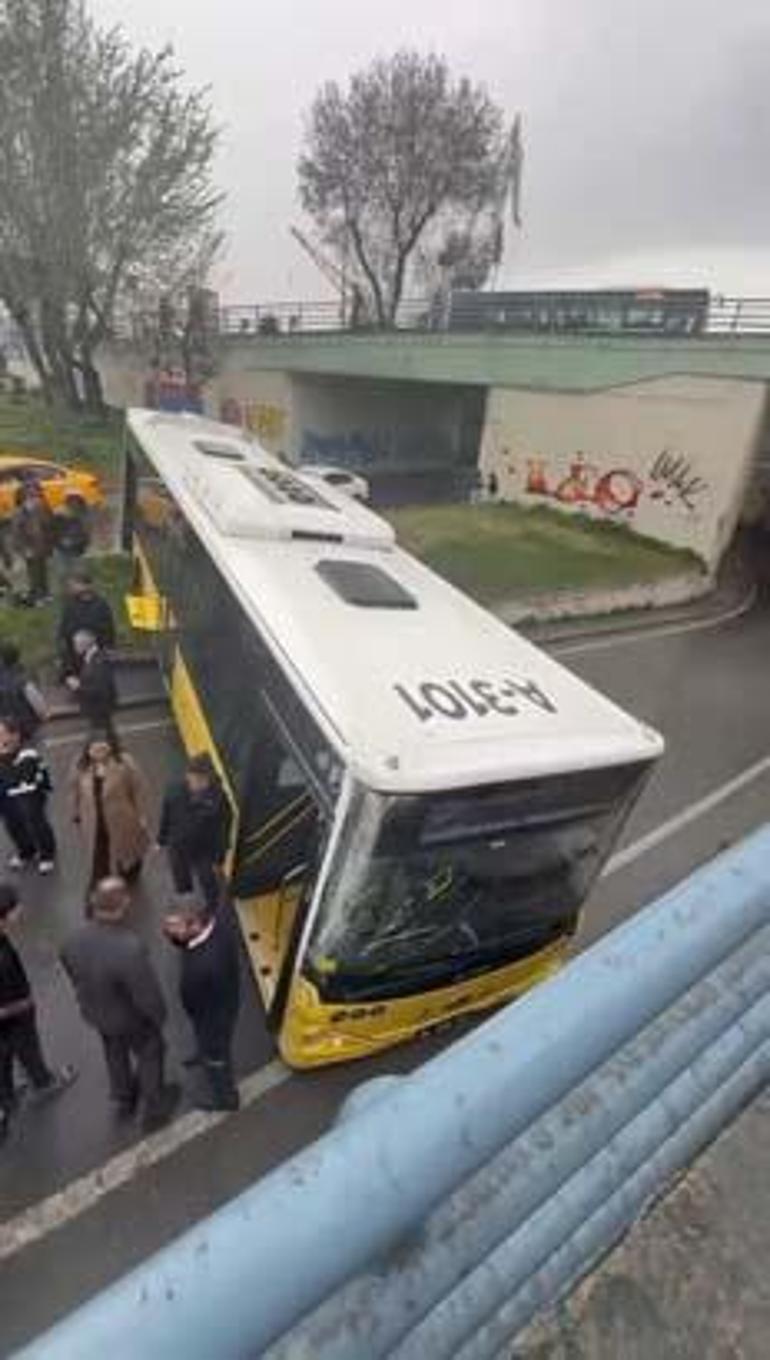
x: 279, y: 817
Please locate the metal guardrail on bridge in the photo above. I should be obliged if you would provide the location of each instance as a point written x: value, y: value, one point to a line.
x: 450, y: 1205
x: 580, y: 315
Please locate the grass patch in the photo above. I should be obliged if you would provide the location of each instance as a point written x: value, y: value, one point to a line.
x: 34, y: 630
x: 496, y: 551
x: 27, y: 425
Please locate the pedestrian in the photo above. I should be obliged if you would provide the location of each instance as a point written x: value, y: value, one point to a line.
x: 83, y: 608
x: 19, y: 1037
x: 94, y: 685
x: 71, y: 535
x: 195, y: 827
x: 32, y: 537
x: 209, y: 983
x: 25, y: 784
x: 109, y: 804
x: 119, y: 996
x: 20, y: 697
x: 7, y: 561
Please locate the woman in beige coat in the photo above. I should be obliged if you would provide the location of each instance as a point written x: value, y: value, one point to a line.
x: 109, y: 803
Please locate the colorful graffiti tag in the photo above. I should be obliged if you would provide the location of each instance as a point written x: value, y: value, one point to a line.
x: 619, y: 490
x: 263, y: 418
x: 612, y: 492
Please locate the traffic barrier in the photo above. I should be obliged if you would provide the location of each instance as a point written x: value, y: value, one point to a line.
x: 447, y: 1207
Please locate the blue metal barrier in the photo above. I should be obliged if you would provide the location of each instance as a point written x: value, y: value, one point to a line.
x: 450, y: 1205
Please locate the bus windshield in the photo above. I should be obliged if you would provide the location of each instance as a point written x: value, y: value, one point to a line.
x: 427, y: 890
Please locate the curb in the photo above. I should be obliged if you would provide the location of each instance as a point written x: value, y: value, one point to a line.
x: 545, y: 634
x: 736, y: 589
x: 62, y: 711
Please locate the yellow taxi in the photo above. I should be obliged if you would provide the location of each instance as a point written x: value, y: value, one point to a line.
x: 57, y: 482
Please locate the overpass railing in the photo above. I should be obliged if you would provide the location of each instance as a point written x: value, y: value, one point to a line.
x: 722, y: 316
x: 447, y: 1207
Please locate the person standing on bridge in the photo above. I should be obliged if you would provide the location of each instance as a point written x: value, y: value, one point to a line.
x: 119, y: 996
x: 209, y: 985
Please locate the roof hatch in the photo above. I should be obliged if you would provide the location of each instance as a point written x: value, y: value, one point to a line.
x: 364, y: 585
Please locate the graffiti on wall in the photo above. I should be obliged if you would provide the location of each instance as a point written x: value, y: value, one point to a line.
x: 381, y: 447
x: 673, y: 480
x: 617, y: 491
x: 611, y: 492
x: 264, y: 419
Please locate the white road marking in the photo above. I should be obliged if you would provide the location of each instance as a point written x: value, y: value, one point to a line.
x: 652, y: 634
x: 76, y: 738
x: 80, y: 1195
x: 661, y: 833
x: 38, y: 1220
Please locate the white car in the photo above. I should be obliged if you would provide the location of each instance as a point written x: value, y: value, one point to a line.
x: 350, y: 482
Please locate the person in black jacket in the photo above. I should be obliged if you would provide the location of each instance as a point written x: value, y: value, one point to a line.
x: 120, y: 997
x: 84, y: 609
x: 209, y: 983
x: 19, y: 1037
x: 94, y: 686
x: 19, y: 695
x: 71, y: 534
x: 24, y: 788
x: 195, y: 826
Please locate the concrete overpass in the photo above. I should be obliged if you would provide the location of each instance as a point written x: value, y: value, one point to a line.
x: 662, y: 433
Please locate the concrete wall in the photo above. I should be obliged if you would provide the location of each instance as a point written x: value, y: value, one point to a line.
x: 669, y: 457
x: 262, y: 402
x: 386, y: 427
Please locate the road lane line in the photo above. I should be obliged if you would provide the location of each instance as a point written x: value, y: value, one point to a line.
x: 40, y: 1219
x: 652, y: 634
x: 60, y: 1208
x: 661, y: 833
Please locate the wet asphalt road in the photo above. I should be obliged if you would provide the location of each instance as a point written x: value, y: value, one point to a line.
x: 705, y: 690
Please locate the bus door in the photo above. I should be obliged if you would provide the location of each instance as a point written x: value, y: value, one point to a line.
x: 283, y: 826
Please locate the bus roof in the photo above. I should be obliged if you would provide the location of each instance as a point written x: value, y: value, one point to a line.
x: 417, y: 686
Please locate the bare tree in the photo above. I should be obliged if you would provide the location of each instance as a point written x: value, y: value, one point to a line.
x: 403, y: 157
x: 105, y: 172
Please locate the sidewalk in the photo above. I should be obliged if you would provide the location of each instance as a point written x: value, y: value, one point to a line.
x: 691, y: 1281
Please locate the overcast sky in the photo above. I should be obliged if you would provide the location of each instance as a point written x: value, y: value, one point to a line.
x: 646, y: 125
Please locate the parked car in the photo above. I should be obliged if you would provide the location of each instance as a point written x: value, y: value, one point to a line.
x: 352, y: 483
x: 57, y: 483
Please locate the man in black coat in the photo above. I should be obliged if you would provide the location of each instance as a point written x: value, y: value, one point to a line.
x: 209, y: 986
x: 120, y: 997
x: 19, y: 1037
x: 86, y: 610
x: 94, y: 687
x: 195, y: 826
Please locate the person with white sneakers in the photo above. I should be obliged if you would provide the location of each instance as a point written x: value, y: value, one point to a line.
x: 25, y: 784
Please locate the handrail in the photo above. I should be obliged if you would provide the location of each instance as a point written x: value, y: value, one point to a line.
x: 539, y: 1136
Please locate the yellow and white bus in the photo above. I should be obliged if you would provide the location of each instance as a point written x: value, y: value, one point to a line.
x: 422, y: 798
